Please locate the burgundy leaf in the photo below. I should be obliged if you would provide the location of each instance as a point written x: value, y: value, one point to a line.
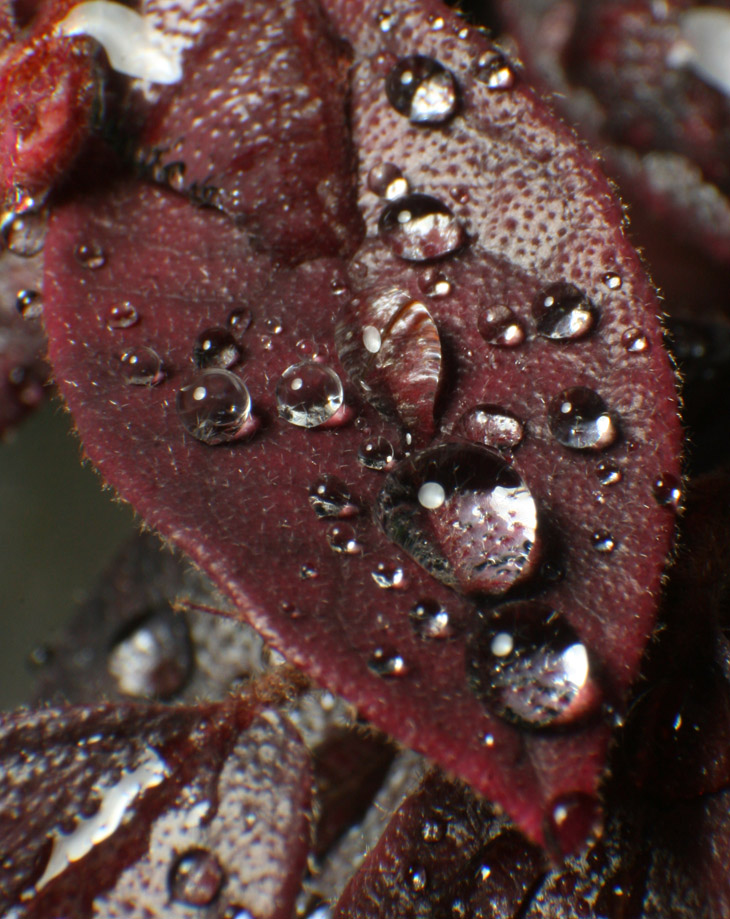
x: 519, y: 209
x: 139, y: 810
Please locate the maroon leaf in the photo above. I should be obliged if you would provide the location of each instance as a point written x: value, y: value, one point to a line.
x: 520, y: 209
x: 141, y: 809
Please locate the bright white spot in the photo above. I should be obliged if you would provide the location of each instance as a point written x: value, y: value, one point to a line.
x: 502, y: 644
x: 199, y: 393
x: 371, y: 339
x: 406, y: 77
x: 397, y: 188
x: 132, y: 44
x: 566, y: 408
x: 114, y: 804
x: 575, y: 664
x: 488, y: 740
x: 404, y: 216
x: 560, y: 814
x: 431, y: 495
x: 704, y: 46
x: 297, y: 383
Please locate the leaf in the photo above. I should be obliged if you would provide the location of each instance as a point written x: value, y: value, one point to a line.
x: 521, y: 209
x: 115, y: 810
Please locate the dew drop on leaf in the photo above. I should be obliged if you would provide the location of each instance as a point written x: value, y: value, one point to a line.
x: 492, y: 426
x: 90, y: 255
x: 499, y: 325
x: 430, y: 620
x: 330, y: 497
x: 215, y: 347
x: 579, y: 419
x: 608, y: 473
x: 668, y: 491
x: 389, y: 576
x: 239, y: 321
x: 603, y: 541
x: 563, y: 312
x: 142, y: 366
x: 495, y: 71
x: 215, y: 407
x: 612, y: 280
x: 29, y: 303
x: 122, y: 316
x: 635, y: 341
x: 387, y: 663
x: 570, y: 820
x: 419, y: 227
x: 26, y: 234
x: 423, y: 90
x: 343, y: 539
x: 196, y: 878
x: 387, y: 181
x: 308, y: 394
x: 377, y: 454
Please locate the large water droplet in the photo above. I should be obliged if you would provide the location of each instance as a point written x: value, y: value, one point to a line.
x: 423, y: 90
x: 309, y: 394
x: 495, y: 71
x: 196, y: 878
x: 387, y: 181
x: 142, y: 366
x: 90, y: 255
x: 492, y: 426
x: 563, y: 312
x: 121, y: 316
x: 330, y: 497
x: 377, y: 454
x: 499, y: 325
x: 215, y: 347
x: 420, y: 227
x: 215, y: 407
x: 387, y: 663
x: 152, y: 659
x: 464, y: 515
x: 29, y: 303
x: 580, y: 419
x: 528, y: 666
x: 430, y: 620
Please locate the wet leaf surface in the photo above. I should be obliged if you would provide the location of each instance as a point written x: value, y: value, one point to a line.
x: 533, y: 212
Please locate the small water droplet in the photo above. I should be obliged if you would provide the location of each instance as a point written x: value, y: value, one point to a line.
x: 499, y: 325
x: 312, y: 350
x: 343, y: 539
x: 121, y: 316
x: 603, y: 541
x: 239, y: 321
x: 387, y: 181
x: 90, y: 255
x: 267, y: 342
x: 215, y: 347
x: 330, y: 497
x: 432, y: 831
x: 608, y: 473
x: 142, y: 366
x: 386, y: 21
x: 389, y: 576
x: 25, y: 235
x: 371, y: 339
x: 495, y: 71
x: 492, y: 426
x: 612, y: 280
x: 378, y: 454
x: 528, y: 666
x: 423, y: 90
x: 173, y: 175
x: 152, y: 658
x: 579, y: 419
x: 308, y: 573
x: 29, y: 304
x: 274, y: 325
x: 215, y: 407
x: 563, y: 312
x: 417, y: 878
x: 430, y: 620
x: 309, y: 394
x: 668, y: 491
x: 387, y: 663
x: 570, y: 820
x: 635, y: 341
x: 419, y: 227
x: 196, y: 878
x: 462, y: 513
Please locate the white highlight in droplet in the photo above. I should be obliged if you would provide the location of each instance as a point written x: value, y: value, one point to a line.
x: 371, y: 339
x: 704, y: 45
x: 502, y: 644
x: 132, y: 44
x: 431, y: 495
x: 575, y: 664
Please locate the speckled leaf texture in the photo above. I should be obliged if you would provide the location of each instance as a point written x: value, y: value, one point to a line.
x: 577, y: 536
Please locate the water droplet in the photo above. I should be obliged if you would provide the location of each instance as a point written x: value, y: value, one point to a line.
x: 196, y: 878
x: 215, y: 407
x: 330, y: 497
x: 371, y: 339
x: 563, y: 312
x: 121, y: 316
x: 430, y: 620
x: 239, y: 321
x: 215, y: 347
x: 668, y: 491
x: 142, y: 366
x: 308, y: 573
x: 635, y: 341
x: 343, y: 539
x: 25, y: 235
x: 387, y: 181
x: 29, y: 304
x: 495, y: 71
x: 464, y: 515
x: 386, y: 20
x: 603, y: 541
x: 579, y: 419
x: 389, y: 576
x: 312, y: 350
x: 432, y: 831
x: 309, y: 394
x: 419, y: 227
x: 570, y: 820
x: 173, y: 175
x: 498, y: 325
x: 612, y: 280
x: 492, y: 426
x: 608, y: 473
x: 377, y: 454
x: 90, y: 255
x: 423, y: 90
x: 387, y: 663
x: 274, y: 325
x: 267, y: 342
x: 152, y: 658
x: 417, y: 878
x: 528, y: 666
